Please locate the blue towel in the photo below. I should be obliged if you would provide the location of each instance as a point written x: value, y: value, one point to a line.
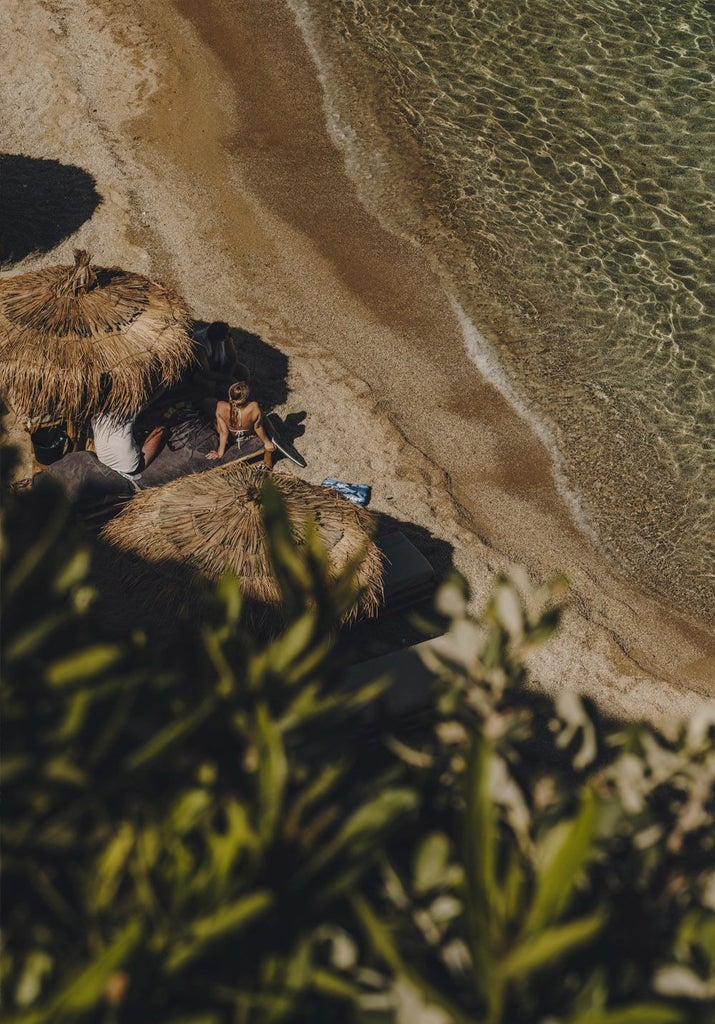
x: 358, y: 494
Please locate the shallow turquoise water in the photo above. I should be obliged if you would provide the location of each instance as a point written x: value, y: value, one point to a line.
x: 558, y: 159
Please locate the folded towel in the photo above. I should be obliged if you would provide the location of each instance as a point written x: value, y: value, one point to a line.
x: 358, y: 494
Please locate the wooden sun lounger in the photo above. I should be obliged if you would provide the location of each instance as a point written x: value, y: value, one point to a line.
x: 410, y: 688
x: 409, y: 577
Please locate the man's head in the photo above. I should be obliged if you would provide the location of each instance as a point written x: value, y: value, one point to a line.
x: 217, y: 331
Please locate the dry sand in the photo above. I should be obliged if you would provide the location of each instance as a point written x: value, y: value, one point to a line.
x: 202, y: 125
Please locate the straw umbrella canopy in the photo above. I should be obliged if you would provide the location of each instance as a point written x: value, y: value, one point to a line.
x: 66, y: 331
x: 197, y: 528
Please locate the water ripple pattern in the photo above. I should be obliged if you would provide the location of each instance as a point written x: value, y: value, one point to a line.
x: 564, y: 167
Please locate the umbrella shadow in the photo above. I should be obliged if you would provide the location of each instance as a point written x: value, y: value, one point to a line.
x: 132, y: 594
x: 42, y: 202
x: 439, y: 553
x: 413, y: 621
x: 268, y: 366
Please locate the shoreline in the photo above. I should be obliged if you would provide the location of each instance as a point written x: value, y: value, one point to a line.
x: 605, y: 459
x: 204, y: 130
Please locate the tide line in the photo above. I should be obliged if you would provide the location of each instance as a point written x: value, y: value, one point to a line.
x: 484, y: 357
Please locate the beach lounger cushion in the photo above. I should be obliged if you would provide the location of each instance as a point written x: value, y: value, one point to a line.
x: 189, y: 456
x: 89, y: 483
x: 409, y: 577
x: 85, y: 480
x: 412, y: 672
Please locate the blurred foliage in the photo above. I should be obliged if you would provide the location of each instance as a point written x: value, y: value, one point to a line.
x: 562, y: 869
x: 222, y: 833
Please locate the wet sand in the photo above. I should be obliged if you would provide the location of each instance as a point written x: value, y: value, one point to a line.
x: 202, y: 124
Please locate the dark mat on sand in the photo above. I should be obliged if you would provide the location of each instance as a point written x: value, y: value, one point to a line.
x: 185, y: 453
x: 89, y: 483
x: 85, y: 480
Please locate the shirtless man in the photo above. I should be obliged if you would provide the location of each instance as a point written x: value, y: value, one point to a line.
x: 239, y: 419
x: 217, y: 358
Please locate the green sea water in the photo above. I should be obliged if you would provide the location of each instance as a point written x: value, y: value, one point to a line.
x: 556, y: 159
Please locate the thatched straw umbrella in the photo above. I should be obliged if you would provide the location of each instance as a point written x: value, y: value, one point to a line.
x: 64, y: 331
x: 199, y: 527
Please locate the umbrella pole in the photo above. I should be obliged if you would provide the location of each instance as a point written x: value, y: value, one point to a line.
x: 77, y: 433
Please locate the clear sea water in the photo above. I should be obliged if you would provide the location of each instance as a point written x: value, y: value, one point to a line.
x: 556, y: 158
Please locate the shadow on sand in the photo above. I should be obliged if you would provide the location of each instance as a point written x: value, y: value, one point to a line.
x: 268, y: 366
x: 128, y: 601
x: 411, y: 623
x: 130, y: 596
x: 41, y: 203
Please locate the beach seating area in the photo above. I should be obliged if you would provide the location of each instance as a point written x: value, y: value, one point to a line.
x: 144, y: 417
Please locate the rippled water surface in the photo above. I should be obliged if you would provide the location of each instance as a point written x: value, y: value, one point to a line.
x: 558, y: 158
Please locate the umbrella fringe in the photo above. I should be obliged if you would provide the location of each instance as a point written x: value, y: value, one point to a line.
x: 64, y: 330
x: 200, y: 522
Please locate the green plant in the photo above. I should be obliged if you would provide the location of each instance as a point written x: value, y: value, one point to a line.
x: 562, y: 868
x: 205, y: 834
x: 179, y: 826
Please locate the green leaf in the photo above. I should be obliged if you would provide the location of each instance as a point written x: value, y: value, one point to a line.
x: 321, y: 785
x: 83, y: 665
x: 547, y: 946
x: 37, y: 553
x: 334, y: 986
x: 293, y: 644
x: 188, y: 810
x: 196, y: 1018
x: 14, y: 765
x: 480, y: 853
x: 637, y: 1013
x: 509, y: 609
x: 59, y: 769
x: 509, y: 897
x: 431, y: 862
x: 75, y: 715
x: 36, y: 967
x: 302, y: 707
x: 385, y: 946
x: 569, y: 851
x: 223, y: 922
x: 73, y: 571
x: 356, y: 699
x: 542, y: 631
x: 230, y: 594
x: 170, y: 735
x: 227, y: 846
x: 311, y: 661
x: 87, y: 988
x: 28, y: 640
x: 362, y: 830
x: 272, y: 772
x: 226, y: 682
x: 107, y: 874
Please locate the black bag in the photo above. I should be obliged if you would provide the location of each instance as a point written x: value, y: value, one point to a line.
x: 49, y: 444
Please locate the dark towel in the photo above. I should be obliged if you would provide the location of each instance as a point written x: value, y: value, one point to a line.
x: 86, y: 480
x: 185, y: 453
x: 89, y: 483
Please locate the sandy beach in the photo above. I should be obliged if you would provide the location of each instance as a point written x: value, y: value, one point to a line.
x: 202, y: 124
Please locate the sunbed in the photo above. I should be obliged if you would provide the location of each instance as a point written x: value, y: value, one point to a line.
x: 409, y: 577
